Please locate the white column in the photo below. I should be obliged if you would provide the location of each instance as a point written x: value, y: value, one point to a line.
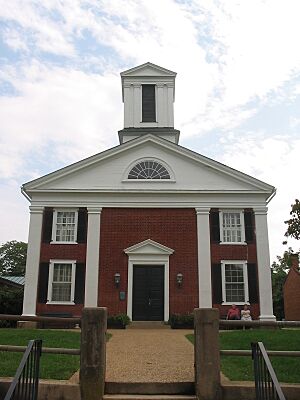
x: 33, y: 260
x: 137, y: 105
x: 92, y: 257
x: 263, y: 265
x: 204, y: 260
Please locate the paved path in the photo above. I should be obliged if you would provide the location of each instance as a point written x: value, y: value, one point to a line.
x: 149, y: 355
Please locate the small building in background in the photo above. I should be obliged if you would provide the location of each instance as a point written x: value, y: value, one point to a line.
x: 291, y: 291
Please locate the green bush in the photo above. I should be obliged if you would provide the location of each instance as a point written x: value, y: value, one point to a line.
x: 181, y: 321
x: 11, y: 302
x: 118, y: 321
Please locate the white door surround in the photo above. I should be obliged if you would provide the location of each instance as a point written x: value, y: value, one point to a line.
x: 153, y: 254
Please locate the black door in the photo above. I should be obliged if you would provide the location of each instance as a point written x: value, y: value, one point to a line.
x: 148, y: 293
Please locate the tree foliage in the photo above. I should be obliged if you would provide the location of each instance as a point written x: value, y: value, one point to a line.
x: 280, y: 269
x: 293, y: 223
x: 13, y: 258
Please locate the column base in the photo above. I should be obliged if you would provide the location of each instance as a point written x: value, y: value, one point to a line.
x: 267, y: 318
x: 27, y: 324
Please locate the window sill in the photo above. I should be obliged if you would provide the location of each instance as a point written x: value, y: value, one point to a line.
x: 63, y: 303
x: 238, y: 303
x: 234, y: 243
x: 54, y: 242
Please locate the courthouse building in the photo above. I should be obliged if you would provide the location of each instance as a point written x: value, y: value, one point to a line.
x: 148, y: 228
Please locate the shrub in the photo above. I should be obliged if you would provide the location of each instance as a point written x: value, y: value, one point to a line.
x: 181, y: 321
x: 118, y: 321
x: 11, y: 301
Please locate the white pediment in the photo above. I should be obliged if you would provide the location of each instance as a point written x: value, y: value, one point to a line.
x: 147, y: 69
x: 107, y: 172
x: 149, y: 247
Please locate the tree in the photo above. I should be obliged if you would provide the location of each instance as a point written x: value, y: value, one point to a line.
x: 13, y: 258
x: 293, y: 223
x: 279, y: 272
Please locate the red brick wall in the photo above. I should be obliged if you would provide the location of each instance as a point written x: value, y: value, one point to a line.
x: 175, y: 228
x: 291, y: 292
x: 63, y: 252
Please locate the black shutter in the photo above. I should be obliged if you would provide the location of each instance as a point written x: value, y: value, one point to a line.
x: 216, y: 284
x: 47, y: 225
x: 82, y: 226
x: 249, y: 231
x: 79, y: 284
x: 252, y: 283
x: 43, y: 282
x: 148, y: 103
x: 215, y: 226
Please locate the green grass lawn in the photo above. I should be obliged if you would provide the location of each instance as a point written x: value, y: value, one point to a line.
x: 241, y: 368
x: 53, y: 366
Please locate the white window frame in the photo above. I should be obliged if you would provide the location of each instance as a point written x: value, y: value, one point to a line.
x: 50, y: 281
x: 54, y: 225
x: 245, y: 274
x: 243, y: 238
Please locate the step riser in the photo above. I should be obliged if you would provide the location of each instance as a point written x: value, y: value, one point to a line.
x: 148, y: 397
x: 150, y: 388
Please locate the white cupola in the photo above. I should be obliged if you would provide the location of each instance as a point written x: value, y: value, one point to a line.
x: 148, y: 93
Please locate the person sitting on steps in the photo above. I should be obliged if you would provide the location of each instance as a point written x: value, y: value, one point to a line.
x: 233, y: 313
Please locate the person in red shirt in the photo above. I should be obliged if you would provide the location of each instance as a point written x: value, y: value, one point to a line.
x: 233, y: 312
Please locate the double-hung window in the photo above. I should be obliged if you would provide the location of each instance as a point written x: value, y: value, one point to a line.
x: 234, y: 282
x: 232, y: 227
x: 61, y: 281
x: 64, y: 228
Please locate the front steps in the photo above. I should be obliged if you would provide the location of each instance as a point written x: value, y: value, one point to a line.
x: 148, y: 325
x: 150, y: 388
x: 147, y: 397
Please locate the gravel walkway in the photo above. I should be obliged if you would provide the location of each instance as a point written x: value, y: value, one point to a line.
x: 149, y: 355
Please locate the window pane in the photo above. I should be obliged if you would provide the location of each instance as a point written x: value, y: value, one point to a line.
x: 232, y: 227
x: 61, y: 292
x: 65, y: 226
x: 234, y: 283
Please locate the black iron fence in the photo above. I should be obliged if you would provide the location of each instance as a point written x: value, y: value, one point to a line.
x: 25, y: 383
x: 266, y: 382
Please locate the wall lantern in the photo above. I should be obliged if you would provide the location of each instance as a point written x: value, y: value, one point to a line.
x: 179, y: 279
x: 117, y: 279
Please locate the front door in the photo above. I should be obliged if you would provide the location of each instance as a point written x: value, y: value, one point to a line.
x: 148, y: 293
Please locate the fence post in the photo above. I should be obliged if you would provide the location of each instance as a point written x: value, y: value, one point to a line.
x: 207, y: 354
x: 93, y: 353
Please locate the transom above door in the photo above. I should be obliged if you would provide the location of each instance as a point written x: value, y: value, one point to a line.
x: 148, y: 293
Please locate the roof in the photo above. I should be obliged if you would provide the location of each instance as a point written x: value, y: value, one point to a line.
x: 19, y: 280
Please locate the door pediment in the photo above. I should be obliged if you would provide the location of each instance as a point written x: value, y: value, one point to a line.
x: 149, y: 247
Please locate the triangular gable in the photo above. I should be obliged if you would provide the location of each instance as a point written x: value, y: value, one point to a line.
x: 213, y: 167
x: 149, y: 247
x: 147, y: 69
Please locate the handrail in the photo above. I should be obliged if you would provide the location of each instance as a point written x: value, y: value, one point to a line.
x: 266, y: 382
x: 273, y: 353
x: 26, y: 380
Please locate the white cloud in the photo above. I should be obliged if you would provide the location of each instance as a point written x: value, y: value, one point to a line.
x: 275, y: 161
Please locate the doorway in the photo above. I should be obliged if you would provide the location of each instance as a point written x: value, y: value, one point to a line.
x: 148, y: 293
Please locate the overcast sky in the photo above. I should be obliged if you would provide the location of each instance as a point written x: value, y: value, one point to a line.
x: 237, y: 88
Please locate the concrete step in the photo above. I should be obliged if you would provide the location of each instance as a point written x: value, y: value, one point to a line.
x: 148, y: 397
x: 148, y: 325
x: 150, y: 388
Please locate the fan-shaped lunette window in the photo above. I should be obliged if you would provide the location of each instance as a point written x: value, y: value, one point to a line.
x: 148, y: 169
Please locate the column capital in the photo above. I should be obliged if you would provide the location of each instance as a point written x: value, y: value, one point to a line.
x: 202, y: 210
x: 36, y: 209
x: 94, y: 210
x: 260, y: 210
